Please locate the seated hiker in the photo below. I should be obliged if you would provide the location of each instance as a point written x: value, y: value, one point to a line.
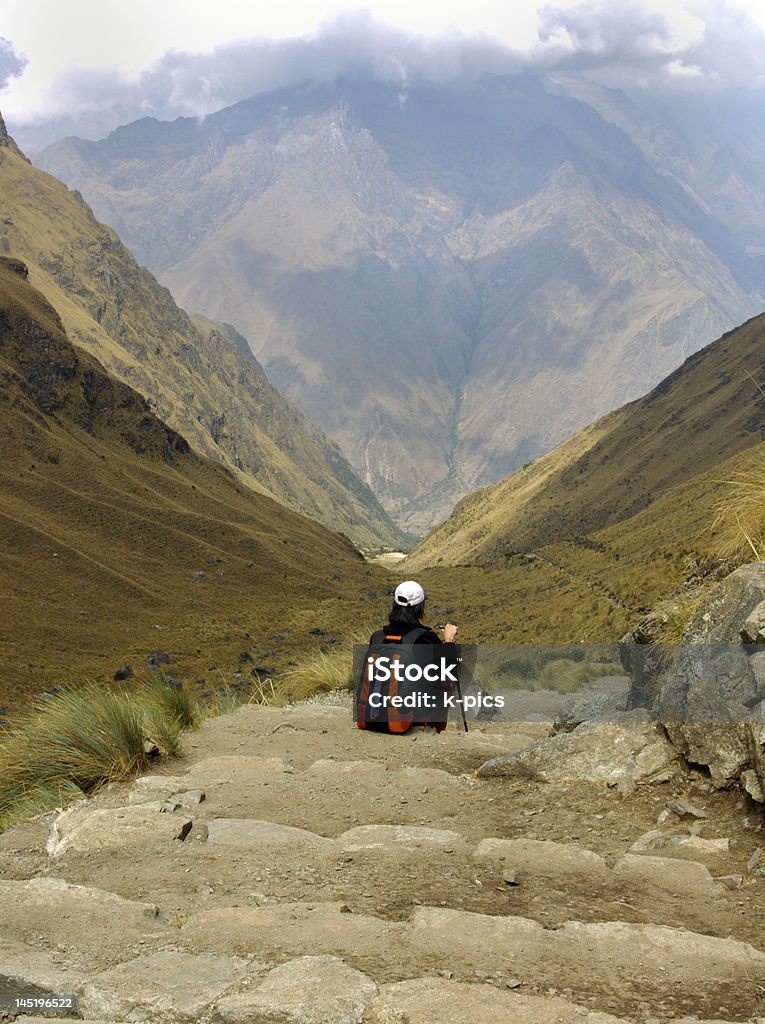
x: 407, y: 674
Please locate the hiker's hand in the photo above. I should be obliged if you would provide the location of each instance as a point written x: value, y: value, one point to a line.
x: 450, y: 632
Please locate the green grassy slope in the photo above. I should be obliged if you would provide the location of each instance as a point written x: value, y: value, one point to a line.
x: 106, y: 514
x: 704, y: 413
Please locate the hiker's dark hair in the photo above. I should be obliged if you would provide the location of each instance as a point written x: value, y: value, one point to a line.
x: 403, y: 615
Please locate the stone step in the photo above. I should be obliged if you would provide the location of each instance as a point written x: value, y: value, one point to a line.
x: 324, y: 797
x: 92, y: 926
x: 29, y: 971
x: 308, y: 990
x: 440, y: 1001
x: 165, y: 988
x: 87, y: 829
x: 331, y: 733
x: 542, y: 858
x: 400, y: 837
x: 625, y: 964
x: 268, y: 839
x: 281, y: 931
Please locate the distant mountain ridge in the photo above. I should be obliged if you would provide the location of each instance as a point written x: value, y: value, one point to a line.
x: 196, y: 377
x: 450, y: 279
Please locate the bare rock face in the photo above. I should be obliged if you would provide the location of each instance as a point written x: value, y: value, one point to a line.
x: 713, y: 698
x: 597, y: 752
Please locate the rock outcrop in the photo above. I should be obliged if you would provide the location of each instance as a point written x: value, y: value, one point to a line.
x: 713, y: 698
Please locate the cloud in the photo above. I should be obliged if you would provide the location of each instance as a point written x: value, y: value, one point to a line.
x: 11, y: 63
x: 715, y: 43
x: 618, y: 43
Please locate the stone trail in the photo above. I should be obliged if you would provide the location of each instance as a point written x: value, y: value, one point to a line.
x: 293, y: 870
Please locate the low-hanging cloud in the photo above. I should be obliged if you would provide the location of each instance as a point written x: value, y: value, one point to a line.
x: 11, y: 63
x: 727, y: 47
x: 621, y: 43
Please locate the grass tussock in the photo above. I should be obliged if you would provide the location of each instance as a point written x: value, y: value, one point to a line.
x: 72, y: 742
x: 565, y: 669
x: 322, y: 671
x: 740, y: 513
x: 675, y: 616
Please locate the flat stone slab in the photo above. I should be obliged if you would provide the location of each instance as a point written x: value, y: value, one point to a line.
x: 84, y: 829
x: 542, y: 858
x: 61, y: 1020
x: 24, y: 966
x: 309, y: 990
x: 76, y: 917
x: 281, y: 930
x: 440, y: 1001
x: 686, y: 847
x: 218, y: 771
x: 159, y: 788
x: 266, y: 836
x: 164, y: 988
x: 580, y: 955
x: 375, y: 837
x: 598, y: 752
x: 682, y: 876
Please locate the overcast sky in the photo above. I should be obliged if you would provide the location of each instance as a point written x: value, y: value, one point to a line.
x: 85, y: 66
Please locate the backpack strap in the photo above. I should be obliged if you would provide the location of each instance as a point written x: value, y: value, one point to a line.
x: 411, y: 637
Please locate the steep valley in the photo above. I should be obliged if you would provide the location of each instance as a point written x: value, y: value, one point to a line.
x: 199, y: 378
x: 450, y: 280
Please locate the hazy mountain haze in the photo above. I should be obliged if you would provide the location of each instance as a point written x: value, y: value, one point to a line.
x: 451, y: 280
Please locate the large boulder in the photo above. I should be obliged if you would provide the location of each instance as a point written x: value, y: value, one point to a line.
x: 594, y: 752
x: 712, y: 701
x: 606, y: 706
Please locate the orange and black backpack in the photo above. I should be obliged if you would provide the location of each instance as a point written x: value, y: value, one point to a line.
x: 390, y: 646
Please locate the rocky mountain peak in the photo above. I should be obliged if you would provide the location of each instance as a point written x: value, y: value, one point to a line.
x: 450, y: 285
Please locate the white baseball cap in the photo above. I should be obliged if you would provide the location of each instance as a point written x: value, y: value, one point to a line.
x: 409, y: 594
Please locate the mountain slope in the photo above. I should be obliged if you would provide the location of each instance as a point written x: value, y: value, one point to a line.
x: 196, y: 378
x: 704, y: 413
x: 451, y: 279
x: 106, y: 514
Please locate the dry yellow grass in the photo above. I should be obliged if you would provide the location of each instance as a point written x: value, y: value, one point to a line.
x: 740, y: 510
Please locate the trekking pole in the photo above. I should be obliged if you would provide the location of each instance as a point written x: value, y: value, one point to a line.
x: 462, y: 706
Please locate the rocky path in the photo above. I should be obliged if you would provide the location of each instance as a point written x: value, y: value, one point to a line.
x: 293, y: 870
